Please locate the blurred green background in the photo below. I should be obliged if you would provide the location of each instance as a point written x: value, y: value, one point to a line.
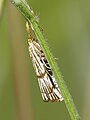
x: 66, y: 26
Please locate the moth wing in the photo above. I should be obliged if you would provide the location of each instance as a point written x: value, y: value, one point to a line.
x: 47, y: 83
x: 49, y: 91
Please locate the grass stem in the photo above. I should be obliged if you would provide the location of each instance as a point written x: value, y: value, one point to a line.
x: 23, y: 7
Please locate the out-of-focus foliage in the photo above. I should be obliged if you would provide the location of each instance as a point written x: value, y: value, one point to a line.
x: 2, y: 4
x: 66, y: 27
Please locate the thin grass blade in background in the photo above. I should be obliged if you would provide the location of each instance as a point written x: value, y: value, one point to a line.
x: 1, y: 7
x: 19, y: 66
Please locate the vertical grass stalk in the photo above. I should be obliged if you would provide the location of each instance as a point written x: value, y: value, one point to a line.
x: 23, y: 7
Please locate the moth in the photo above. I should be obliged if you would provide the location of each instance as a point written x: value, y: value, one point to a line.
x: 48, y: 86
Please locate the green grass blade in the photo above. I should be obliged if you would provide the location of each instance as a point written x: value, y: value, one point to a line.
x: 23, y: 7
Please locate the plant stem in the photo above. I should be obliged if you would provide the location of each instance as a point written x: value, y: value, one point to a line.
x: 23, y: 7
